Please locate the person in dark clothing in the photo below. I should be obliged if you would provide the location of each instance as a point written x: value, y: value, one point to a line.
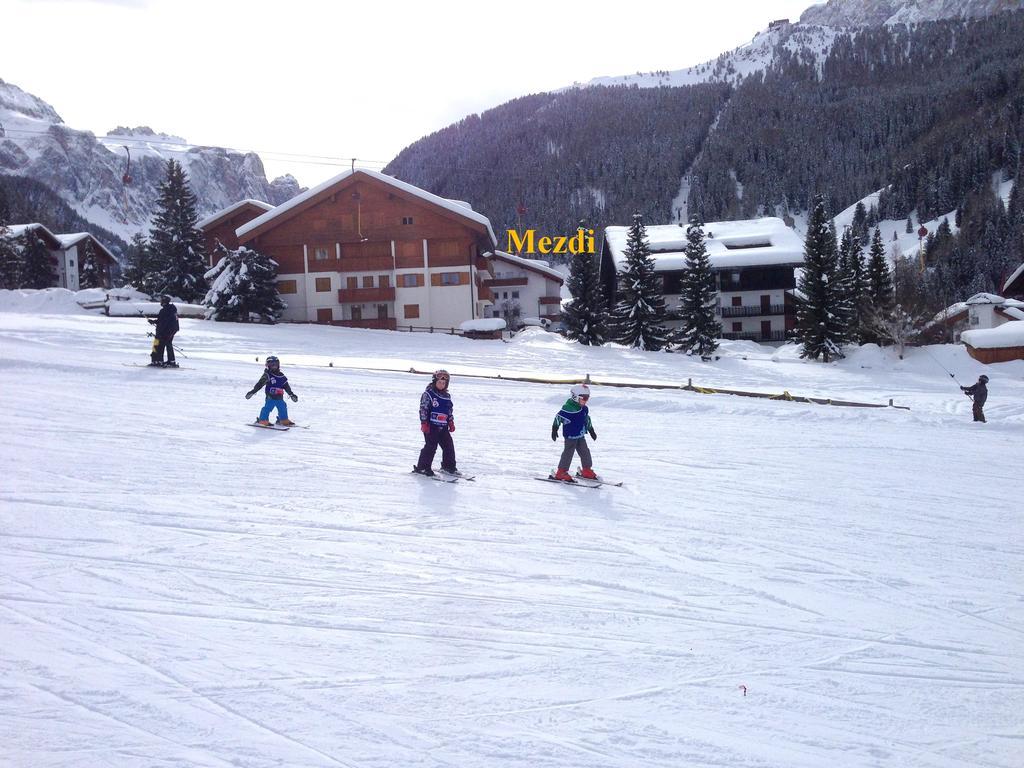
x: 437, y: 422
x: 275, y: 384
x: 979, y: 393
x: 166, y: 323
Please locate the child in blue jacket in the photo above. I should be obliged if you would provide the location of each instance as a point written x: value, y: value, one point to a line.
x: 276, y: 385
x: 574, y: 419
x: 437, y: 422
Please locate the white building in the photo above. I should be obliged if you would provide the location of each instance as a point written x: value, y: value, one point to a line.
x: 754, y: 262
x: 67, y: 252
x: 523, y: 288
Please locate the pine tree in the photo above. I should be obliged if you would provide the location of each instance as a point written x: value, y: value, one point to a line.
x: 879, y: 277
x: 139, y: 271
x: 586, y: 316
x: 90, y: 274
x: 36, y: 262
x: 823, y: 309
x: 175, y: 243
x: 243, y: 284
x: 700, y: 330
x: 853, y: 277
x: 10, y: 255
x: 639, y: 318
x: 860, y: 224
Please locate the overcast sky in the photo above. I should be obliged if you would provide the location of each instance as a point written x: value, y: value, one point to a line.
x: 340, y: 80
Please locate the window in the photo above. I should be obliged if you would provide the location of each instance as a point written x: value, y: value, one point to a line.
x: 449, y: 278
x: 351, y: 283
x: 384, y: 281
x: 324, y: 315
x: 287, y: 286
x: 320, y: 254
x: 323, y: 284
x: 504, y: 295
x: 71, y: 262
x: 407, y: 220
x: 737, y: 301
x: 737, y: 327
x: 410, y: 280
x: 367, y: 281
x: 411, y: 311
x: 515, y: 294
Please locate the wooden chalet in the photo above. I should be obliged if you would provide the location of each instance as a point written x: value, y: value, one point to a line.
x: 220, y: 227
x: 366, y: 250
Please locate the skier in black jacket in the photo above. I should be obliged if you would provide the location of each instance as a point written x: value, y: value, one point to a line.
x: 979, y: 393
x: 163, y: 337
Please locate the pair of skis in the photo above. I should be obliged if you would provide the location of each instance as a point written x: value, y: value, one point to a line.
x: 580, y: 481
x: 444, y: 476
x: 277, y: 427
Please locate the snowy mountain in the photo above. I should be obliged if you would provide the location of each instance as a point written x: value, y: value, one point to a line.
x: 873, y: 13
x: 813, y: 34
x: 88, y: 171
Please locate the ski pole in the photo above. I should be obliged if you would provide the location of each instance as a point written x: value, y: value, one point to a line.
x: 176, y: 347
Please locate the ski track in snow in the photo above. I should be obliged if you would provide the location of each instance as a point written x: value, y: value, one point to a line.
x: 178, y: 589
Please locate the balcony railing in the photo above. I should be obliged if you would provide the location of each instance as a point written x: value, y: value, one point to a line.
x: 365, y: 295
x: 496, y: 282
x: 755, y: 311
x: 755, y: 336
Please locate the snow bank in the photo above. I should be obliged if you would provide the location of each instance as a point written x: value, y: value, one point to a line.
x: 484, y: 324
x: 151, y: 308
x: 49, y: 301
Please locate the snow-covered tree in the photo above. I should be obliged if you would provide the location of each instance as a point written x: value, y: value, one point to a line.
x: 895, y: 325
x: 36, y: 262
x: 586, y: 315
x: 879, y: 277
x: 176, y: 245
x: 852, y: 273
x: 243, y: 287
x: 639, y: 317
x: 10, y: 256
x: 823, y: 306
x: 90, y: 273
x: 139, y: 271
x: 700, y: 330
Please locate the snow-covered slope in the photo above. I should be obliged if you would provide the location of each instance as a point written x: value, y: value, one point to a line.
x: 776, y: 584
x: 813, y: 34
x: 873, y: 13
x: 88, y: 172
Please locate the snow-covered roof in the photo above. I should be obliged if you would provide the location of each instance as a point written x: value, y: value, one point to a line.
x: 225, y: 212
x: 17, y: 230
x: 985, y: 298
x: 1006, y: 335
x: 449, y: 205
x: 537, y: 266
x: 730, y: 244
x: 70, y: 240
x: 1016, y: 313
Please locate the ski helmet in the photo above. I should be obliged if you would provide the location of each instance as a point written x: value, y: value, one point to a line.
x: 273, y: 362
x: 440, y: 373
x: 578, y: 391
x: 983, y: 379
